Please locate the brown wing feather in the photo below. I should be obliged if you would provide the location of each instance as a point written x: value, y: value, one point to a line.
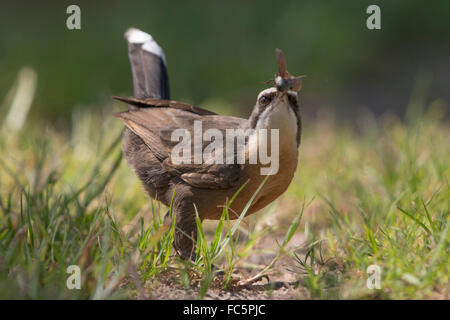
x: 154, y: 127
x: 150, y: 102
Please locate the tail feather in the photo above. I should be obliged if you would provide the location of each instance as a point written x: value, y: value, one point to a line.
x: 148, y: 66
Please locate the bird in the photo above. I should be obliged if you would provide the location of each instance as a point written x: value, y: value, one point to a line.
x: 202, y: 189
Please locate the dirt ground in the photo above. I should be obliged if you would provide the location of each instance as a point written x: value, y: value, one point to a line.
x: 282, y: 281
x: 283, y: 291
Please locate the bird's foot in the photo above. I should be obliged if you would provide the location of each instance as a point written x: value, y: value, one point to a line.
x: 186, y: 254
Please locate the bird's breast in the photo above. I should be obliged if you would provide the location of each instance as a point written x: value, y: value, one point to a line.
x: 284, y: 121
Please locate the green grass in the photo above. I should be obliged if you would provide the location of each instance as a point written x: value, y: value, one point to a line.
x: 373, y: 193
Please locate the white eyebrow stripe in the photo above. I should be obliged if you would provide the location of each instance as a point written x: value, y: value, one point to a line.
x: 266, y: 91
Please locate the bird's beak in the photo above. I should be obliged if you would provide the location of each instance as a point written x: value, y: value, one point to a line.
x: 281, y: 96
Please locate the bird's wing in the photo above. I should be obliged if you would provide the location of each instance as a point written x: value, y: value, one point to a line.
x: 155, y: 125
x: 161, y: 103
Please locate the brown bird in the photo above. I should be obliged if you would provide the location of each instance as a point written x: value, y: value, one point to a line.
x: 205, y: 186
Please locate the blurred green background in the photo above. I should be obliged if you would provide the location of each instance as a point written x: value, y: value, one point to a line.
x: 219, y: 52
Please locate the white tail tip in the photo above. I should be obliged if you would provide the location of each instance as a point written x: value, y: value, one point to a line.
x: 133, y: 35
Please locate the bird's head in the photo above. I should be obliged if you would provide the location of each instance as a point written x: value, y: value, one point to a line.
x: 277, y: 107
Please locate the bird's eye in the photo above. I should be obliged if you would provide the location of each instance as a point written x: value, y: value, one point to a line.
x: 264, y: 100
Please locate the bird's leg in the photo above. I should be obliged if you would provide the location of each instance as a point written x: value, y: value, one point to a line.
x: 185, y: 239
x: 185, y: 236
